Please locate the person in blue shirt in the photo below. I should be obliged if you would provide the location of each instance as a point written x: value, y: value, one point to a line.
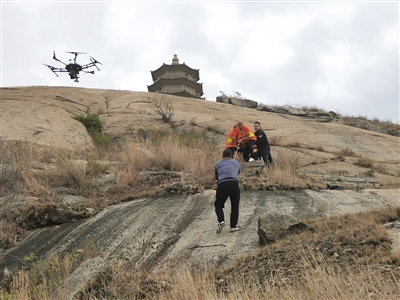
x: 226, y: 173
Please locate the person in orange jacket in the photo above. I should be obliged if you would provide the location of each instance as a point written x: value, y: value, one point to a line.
x: 232, y: 140
x: 246, y: 140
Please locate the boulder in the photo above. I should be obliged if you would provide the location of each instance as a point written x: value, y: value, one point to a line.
x: 274, y: 226
x: 223, y: 99
x: 251, y: 168
x: 237, y: 101
x: 105, y: 182
x: 243, y: 102
x: 296, y: 112
x: 154, y: 177
x: 319, y: 114
x: 263, y: 107
x: 281, y: 110
x: 180, y: 188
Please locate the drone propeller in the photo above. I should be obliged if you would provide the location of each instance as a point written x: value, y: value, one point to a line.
x: 94, y: 62
x: 74, y: 52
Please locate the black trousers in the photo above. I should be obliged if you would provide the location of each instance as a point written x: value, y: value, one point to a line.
x: 224, y: 190
x: 247, y: 150
x: 266, y: 156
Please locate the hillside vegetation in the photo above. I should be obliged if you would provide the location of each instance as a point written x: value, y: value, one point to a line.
x: 68, y: 141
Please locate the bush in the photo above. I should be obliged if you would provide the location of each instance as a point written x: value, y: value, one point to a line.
x: 164, y: 108
x: 365, y: 162
x: 91, y: 121
x: 102, y: 140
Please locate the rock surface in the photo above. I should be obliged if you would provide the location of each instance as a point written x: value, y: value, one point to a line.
x: 179, y: 231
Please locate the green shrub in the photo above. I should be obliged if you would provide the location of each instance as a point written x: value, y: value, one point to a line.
x: 91, y: 121
x: 102, y: 140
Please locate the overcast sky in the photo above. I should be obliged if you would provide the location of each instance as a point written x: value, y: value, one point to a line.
x: 336, y: 55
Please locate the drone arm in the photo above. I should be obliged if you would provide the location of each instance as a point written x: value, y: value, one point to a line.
x: 93, y: 63
x: 54, y: 70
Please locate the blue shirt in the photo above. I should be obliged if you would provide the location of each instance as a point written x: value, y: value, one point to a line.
x: 227, y: 169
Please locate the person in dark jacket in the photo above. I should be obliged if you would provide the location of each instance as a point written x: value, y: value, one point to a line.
x: 262, y: 144
x: 226, y: 173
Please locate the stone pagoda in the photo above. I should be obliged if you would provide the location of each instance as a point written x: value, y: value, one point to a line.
x: 176, y: 79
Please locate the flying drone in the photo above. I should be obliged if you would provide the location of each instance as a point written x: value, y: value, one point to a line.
x: 74, y: 68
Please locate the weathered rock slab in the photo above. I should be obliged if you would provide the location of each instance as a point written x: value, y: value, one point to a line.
x: 274, y: 226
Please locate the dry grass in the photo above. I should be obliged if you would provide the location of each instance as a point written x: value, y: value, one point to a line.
x: 30, y: 170
x: 11, y: 233
x: 188, y: 152
x: 275, y: 140
x: 345, y: 152
x: 389, y: 182
x: 295, y: 144
x: 364, y: 161
x: 319, y: 148
x: 284, y: 173
x: 380, y: 167
x: 16, y: 158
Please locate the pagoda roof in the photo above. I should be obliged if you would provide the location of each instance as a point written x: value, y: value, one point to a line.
x: 165, y: 67
x: 198, y: 87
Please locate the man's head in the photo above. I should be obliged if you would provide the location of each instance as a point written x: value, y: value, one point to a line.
x: 227, y: 154
x: 257, y: 126
x: 240, y: 124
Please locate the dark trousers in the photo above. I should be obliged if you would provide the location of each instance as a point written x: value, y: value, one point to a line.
x: 224, y: 190
x: 247, y: 150
x: 265, y: 155
x: 233, y: 149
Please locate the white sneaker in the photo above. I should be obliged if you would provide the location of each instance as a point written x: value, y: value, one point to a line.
x: 220, y: 227
x: 236, y: 228
x: 251, y: 159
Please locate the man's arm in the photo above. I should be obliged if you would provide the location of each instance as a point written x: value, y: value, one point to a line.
x: 248, y: 132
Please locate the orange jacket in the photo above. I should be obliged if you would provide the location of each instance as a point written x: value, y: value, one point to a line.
x: 245, y: 133
x: 232, y: 138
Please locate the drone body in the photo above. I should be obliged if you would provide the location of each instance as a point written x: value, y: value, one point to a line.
x: 73, y: 68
